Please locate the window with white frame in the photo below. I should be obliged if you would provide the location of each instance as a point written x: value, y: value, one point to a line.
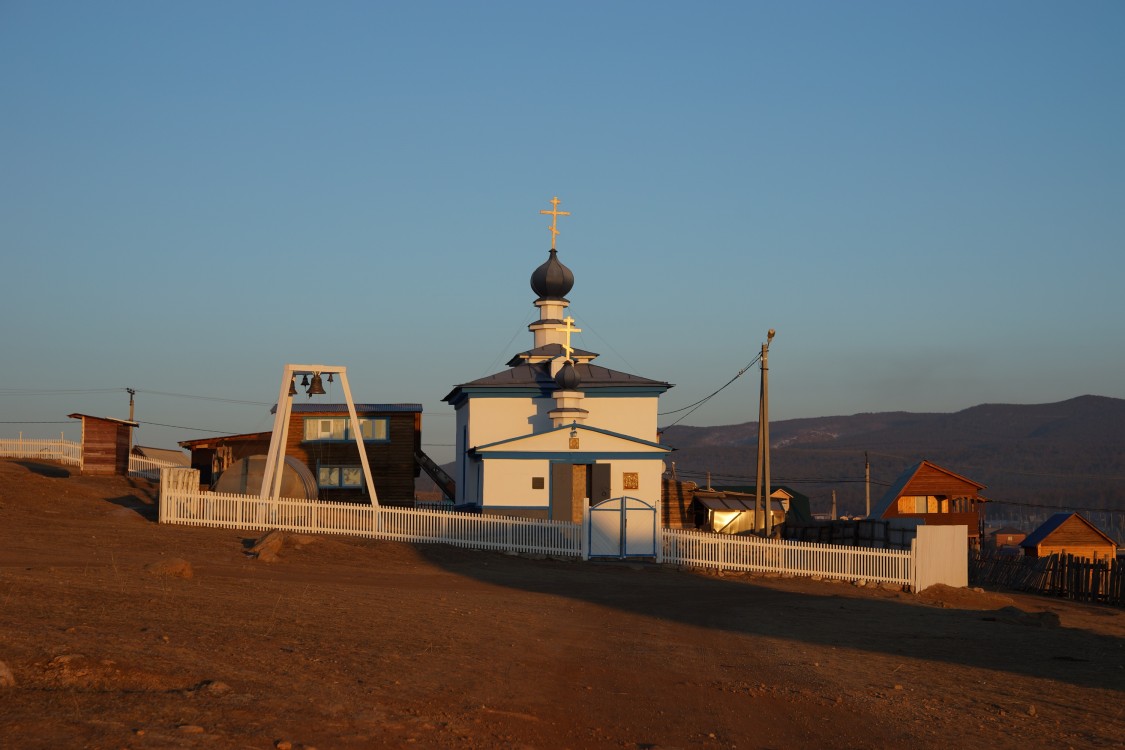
x: 373, y: 429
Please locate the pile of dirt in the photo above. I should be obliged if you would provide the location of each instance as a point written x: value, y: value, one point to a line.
x: 941, y: 595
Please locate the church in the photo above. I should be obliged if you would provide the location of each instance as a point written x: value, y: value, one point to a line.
x: 554, y: 432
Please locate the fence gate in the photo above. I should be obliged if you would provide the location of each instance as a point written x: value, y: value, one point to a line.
x: 622, y: 527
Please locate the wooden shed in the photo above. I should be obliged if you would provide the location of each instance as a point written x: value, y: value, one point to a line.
x: 1069, y: 534
x: 211, y: 456
x: 105, y: 445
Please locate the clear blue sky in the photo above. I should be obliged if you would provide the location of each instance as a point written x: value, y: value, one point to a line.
x: 927, y: 201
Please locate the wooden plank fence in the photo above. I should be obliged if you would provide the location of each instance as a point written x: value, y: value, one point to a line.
x: 1077, y: 578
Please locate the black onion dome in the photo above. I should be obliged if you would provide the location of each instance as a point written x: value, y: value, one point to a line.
x: 552, y: 280
x: 567, y: 378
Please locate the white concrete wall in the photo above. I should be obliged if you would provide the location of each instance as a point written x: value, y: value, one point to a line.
x: 507, y: 482
x: 634, y: 416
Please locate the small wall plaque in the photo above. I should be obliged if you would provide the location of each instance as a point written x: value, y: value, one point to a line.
x: 631, y: 480
x: 574, y: 443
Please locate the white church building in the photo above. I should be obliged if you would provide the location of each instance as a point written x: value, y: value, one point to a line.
x: 555, y: 432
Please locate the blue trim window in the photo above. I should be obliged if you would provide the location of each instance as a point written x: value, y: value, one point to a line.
x: 328, y: 429
x: 339, y: 476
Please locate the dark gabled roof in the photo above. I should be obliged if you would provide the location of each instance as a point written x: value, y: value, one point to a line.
x: 538, y: 376
x: 549, y: 350
x: 896, y: 490
x: 1048, y: 527
x: 244, y: 437
x: 307, y: 408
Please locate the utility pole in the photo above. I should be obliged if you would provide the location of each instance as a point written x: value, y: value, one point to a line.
x: 132, y: 392
x: 763, y: 474
x: 867, y: 480
x: 833, y: 505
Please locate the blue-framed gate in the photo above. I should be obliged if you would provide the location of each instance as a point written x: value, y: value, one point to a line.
x: 622, y: 527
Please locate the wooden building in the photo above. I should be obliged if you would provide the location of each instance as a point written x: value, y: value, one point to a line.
x: 935, y: 496
x: 1069, y: 534
x: 319, y: 437
x: 1007, y: 536
x: 211, y: 456
x: 105, y: 445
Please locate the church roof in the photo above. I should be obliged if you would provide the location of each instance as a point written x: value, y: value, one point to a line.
x: 548, y: 351
x: 537, y: 376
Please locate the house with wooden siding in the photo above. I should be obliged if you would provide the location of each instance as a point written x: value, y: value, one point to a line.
x: 212, y: 456
x: 935, y: 496
x: 319, y: 436
x: 105, y: 444
x: 1069, y: 534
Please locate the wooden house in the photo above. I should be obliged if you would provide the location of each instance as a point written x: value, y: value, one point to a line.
x: 1007, y: 536
x: 936, y: 496
x: 1069, y: 534
x: 319, y: 437
x: 105, y: 445
x: 211, y: 456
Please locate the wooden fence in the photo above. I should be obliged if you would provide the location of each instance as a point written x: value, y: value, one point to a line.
x: 148, y: 468
x: 1077, y: 578
x: 50, y: 449
x: 747, y: 553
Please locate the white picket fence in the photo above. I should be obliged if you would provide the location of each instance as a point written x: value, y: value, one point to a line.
x: 44, y: 449
x: 149, y: 468
x: 181, y: 502
x: 186, y: 505
x: 784, y: 557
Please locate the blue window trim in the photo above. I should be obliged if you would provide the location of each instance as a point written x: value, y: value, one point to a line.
x: 575, y: 457
x: 348, y: 438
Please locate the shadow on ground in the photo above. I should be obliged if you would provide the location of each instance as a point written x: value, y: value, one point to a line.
x: 1006, y: 640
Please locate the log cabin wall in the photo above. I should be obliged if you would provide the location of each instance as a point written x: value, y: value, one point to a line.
x: 393, y: 468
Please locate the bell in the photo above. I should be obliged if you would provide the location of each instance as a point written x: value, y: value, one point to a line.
x: 329, y: 377
x: 292, y: 386
x: 305, y: 381
x: 316, y: 388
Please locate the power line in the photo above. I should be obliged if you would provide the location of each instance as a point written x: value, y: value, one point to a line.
x: 206, y: 398
x: 196, y: 429
x: 705, y: 399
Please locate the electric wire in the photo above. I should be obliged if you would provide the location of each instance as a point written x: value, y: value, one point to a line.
x: 705, y: 399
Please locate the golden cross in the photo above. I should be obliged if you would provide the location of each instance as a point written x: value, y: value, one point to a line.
x: 569, y: 329
x: 555, y: 213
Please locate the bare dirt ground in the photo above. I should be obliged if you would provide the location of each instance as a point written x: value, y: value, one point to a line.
x: 348, y: 643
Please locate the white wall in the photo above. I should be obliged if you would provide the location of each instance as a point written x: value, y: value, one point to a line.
x: 941, y: 555
x: 507, y: 482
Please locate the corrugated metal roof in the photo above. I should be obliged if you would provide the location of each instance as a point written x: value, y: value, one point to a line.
x: 305, y: 408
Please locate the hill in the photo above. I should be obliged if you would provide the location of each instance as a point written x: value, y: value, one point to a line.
x: 1069, y: 454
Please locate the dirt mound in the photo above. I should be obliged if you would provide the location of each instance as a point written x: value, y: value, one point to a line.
x: 964, y: 598
x: 173, y: 567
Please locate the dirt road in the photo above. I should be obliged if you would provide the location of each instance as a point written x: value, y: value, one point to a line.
x: 122, y: 633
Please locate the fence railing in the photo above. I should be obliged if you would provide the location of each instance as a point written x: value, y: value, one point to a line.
x: 181, y: 502
x: 192, y: 507
x: 149, y: 468
x: 44, y: 449
x: 743, y: 553
x: 1082, y: 579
